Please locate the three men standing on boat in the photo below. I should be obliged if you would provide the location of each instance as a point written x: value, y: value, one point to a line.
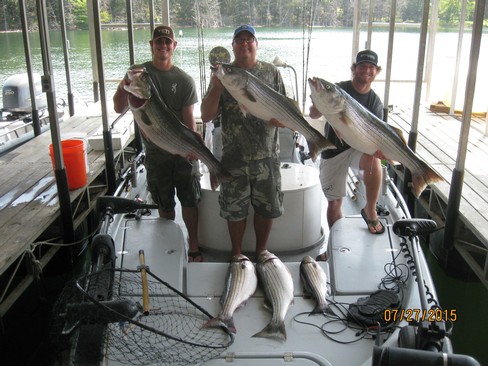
x: 249, y: 149
x: 167, y: 172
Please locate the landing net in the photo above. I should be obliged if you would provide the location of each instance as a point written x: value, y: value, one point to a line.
x: 154, y: 324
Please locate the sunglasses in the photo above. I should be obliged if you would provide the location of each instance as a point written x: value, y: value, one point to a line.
x: 244, y: 40
x: 163, y: 40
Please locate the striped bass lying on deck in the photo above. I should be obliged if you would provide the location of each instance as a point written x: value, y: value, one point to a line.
x: 163, y: 127
x: 240, y: 284
x: 277, y: 283
x: 367, y: 133
x: 257, y: 98
x: 315, y: 283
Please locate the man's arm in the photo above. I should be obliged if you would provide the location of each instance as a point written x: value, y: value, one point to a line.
x: 210, y: 104
x: 187, y: 117
x: 120, y: 97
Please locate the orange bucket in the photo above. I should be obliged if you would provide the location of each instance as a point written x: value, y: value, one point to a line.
x: 74, y: 161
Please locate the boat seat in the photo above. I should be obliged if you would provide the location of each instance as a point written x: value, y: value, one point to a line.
x: 356, y: 253
x: 164, y: 244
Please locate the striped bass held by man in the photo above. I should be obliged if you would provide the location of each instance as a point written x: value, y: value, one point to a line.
x: 165, y: 130
x: 367, y: 133
x: 256, y: 98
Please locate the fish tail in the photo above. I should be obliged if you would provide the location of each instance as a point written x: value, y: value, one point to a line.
x: 218, y: 322
x: 273, y: 330
x: 317, y: 145
x: 422, y: 179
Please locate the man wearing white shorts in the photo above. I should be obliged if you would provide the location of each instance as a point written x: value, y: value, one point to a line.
x: 335, y: 163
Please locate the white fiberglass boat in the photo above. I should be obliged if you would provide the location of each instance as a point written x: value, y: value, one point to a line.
x: 143, y: 304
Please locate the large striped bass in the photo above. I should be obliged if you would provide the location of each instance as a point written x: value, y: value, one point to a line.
x: 240, y: 283
x: 161, y: 125
x: 257, y: 98
x: 277, y: 283
x: 314, y: 282
x: 365, y: 132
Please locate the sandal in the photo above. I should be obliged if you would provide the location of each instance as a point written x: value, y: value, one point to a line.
x: 372, y: 224
x: 196, y: 257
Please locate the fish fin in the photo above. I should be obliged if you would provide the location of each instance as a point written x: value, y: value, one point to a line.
x: 399, y: 132
x: 249, y: 96
x: 243, y: 110
x: 317, y: 145
x: 217, y: 322
x: 343, y: 118
x: 419, y: 182
x: 273, y: 330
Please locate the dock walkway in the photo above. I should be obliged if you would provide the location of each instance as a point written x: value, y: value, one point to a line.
x: 437, y: 144
x: 28, y: 193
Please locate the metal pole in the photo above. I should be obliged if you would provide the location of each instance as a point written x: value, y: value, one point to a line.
x: 90, y: 5
x: 130, y: 31
x: 456, y: 188
x: 66, y: 58
x: 370, y: 23
x: 48, y: 87
x: 356, y: 28
x: 28, y: 61
x: 430, y: 48
x: 462, y: 20
x: 107, y: 133
x: 412, y: 138
x: 389, y: 60
x: 165, y: 18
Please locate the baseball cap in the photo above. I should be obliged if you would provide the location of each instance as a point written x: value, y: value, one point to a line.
x: 367, y: 56
x: 244, y: 27
x: 163, y: 31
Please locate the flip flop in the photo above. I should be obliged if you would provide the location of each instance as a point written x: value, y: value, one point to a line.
x: 372, y: 223
x: 196, y: 257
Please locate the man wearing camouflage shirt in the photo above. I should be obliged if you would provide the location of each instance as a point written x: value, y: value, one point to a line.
x: 250, y: 149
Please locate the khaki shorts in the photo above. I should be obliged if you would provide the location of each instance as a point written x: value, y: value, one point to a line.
x: 169, y: 173
x: 333, y: 173
x: 257, y: 182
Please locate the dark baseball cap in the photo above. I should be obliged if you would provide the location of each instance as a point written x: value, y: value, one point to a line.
x: 367, y: 56
x: 244, y: 27
x: 163, y: 31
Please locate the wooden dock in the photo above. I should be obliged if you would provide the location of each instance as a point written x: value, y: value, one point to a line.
x: 29, y: 202
x: 437, y: 144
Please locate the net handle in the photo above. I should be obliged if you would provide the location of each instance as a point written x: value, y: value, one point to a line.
x: 145, y: 291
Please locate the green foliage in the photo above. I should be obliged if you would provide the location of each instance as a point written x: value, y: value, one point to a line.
x: 228, y: 13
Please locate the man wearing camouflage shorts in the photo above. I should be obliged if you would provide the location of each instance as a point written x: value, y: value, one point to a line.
x: 250, y: 149
x: 167, y: 173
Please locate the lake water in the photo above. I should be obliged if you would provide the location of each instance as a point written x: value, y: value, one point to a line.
x: 329, y: 58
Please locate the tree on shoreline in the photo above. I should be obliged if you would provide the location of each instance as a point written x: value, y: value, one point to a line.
x: 229, y: 13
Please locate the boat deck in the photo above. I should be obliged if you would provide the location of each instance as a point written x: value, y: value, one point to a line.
x: 29, y: 201
x: 437, y: 144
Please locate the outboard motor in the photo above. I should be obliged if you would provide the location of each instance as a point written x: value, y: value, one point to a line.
x: 16, y: 94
